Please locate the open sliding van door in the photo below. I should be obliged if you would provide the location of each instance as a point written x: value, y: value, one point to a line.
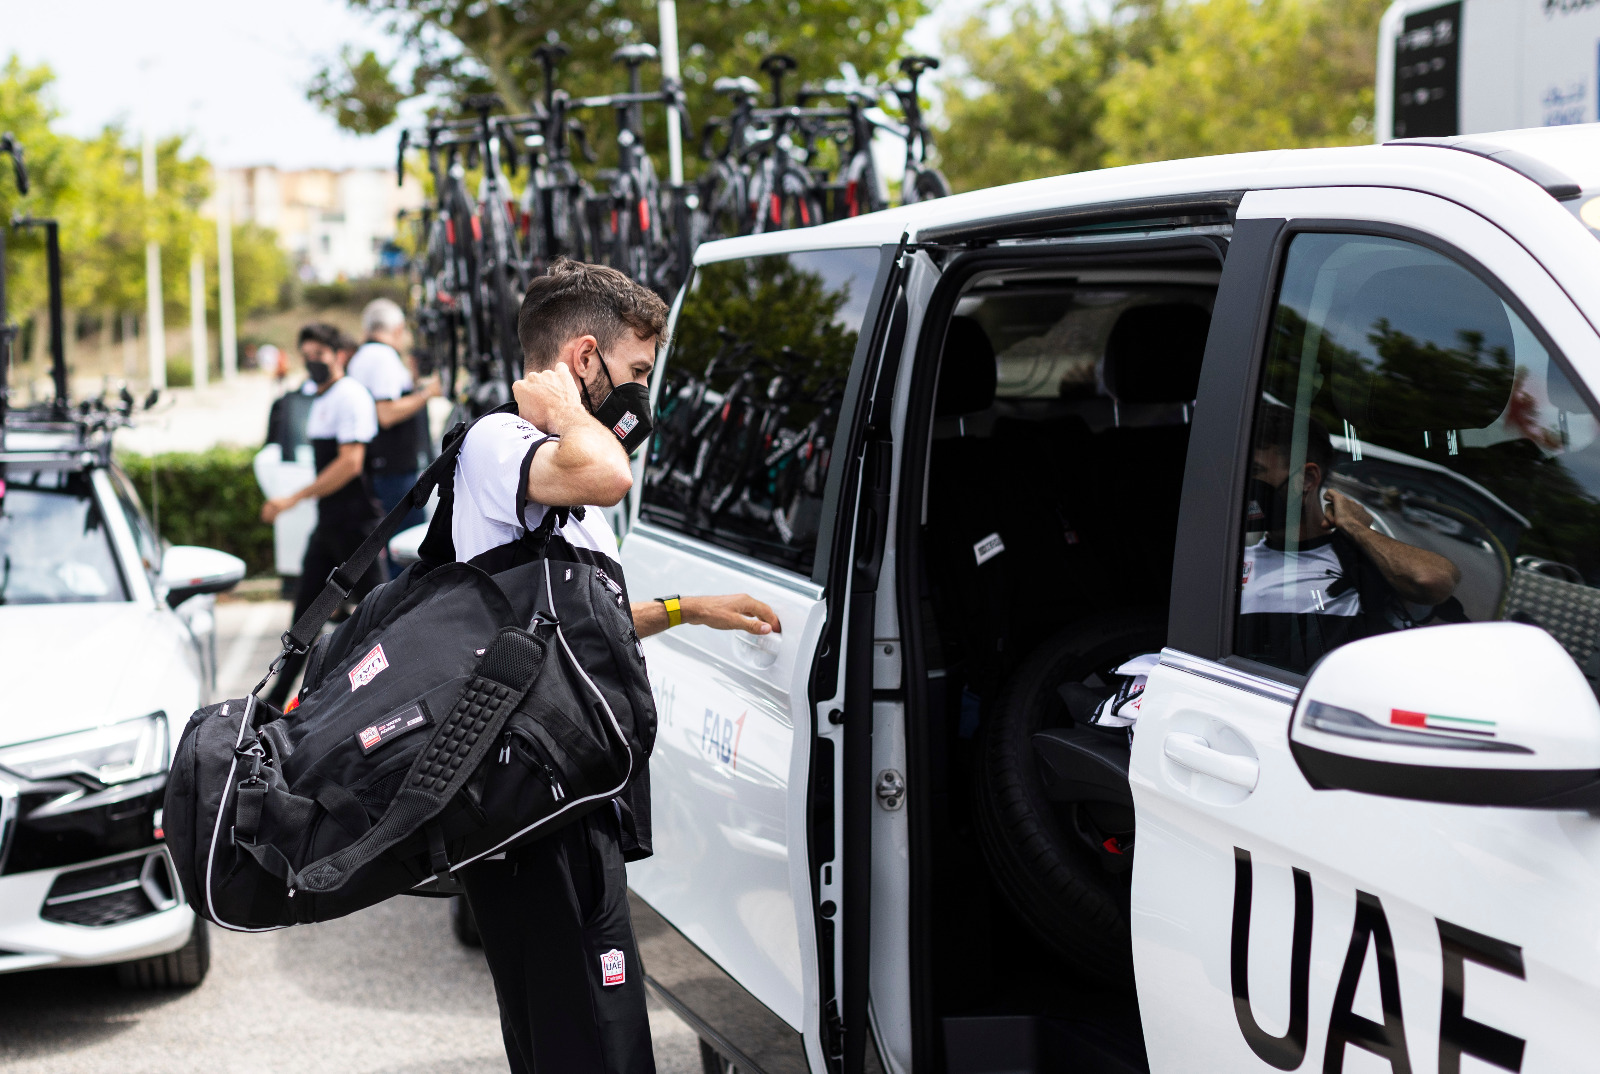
x: 768, y: 419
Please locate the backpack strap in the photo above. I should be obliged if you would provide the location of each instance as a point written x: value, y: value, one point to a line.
x: 343, y: 578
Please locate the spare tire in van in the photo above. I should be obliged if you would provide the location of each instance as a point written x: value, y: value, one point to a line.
x: 1043, y: 865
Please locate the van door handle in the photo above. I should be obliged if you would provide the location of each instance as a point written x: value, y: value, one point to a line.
x: 759, y: 651
x: 1196, y: 754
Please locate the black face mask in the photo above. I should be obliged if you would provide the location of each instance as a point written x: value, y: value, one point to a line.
x: 1266, y: 506
x: 1269, y: 506
x: 319, y: 372
x: 625, y: 410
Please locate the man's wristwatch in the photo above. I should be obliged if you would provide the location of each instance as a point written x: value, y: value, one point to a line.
x: 674, y: 607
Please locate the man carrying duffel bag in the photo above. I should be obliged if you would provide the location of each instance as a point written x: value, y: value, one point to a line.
x: 554, y: 914
x: 484, y: 720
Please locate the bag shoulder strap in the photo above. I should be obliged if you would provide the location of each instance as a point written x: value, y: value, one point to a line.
x: 343, y: 578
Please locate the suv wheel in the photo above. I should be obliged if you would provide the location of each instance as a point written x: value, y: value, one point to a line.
x: 184, y: 968
x: 1042, y: 866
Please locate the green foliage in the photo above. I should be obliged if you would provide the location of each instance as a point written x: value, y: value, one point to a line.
x: 1241, y: 75
x: 208, y: 498
x: 470, y: 47
x: 1030, y: 104
x: 93, y: 187
x: 360, y: 93
x: 1049, y: 90
x: 355, y: 294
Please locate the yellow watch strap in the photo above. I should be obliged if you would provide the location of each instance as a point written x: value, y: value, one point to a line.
x: 674, y: 607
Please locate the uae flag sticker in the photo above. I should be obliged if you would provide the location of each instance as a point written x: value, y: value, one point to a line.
x: 1431, y: 721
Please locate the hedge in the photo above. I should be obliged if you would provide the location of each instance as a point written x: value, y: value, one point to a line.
x: 207, y: 498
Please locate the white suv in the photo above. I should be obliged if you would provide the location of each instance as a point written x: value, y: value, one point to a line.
x: 107, y: 644
x: 1254, y: 418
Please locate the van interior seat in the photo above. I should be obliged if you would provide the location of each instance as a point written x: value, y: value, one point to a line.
x: 969, y: 601
x: 1152, y: 371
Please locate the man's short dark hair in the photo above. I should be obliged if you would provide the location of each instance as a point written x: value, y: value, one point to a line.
x: 324, y: 333
x: 575, y: 299
x: 1275, y: 429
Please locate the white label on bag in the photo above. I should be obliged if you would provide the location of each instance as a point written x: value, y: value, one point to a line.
x: 613, y: 970
x: 368, y: 669
x: 988, y: 548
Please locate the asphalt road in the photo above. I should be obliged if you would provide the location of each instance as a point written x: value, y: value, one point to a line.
x: 385, y: 991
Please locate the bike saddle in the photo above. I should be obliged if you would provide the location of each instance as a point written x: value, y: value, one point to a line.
x: 730, y: 86
x: 778, y: 63
x: 642, y: 52
x: 551, y: 51
x: 915, y: 65
x: 483, y: 102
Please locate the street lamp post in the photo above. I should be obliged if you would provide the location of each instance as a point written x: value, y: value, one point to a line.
x: 155, y: 321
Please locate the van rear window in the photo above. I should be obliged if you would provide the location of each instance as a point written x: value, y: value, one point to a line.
x: 750, y: 400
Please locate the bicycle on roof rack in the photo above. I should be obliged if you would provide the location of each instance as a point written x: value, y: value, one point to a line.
x: 921, y: 180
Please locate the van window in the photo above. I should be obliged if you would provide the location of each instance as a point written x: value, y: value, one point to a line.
x: 750, y: 399
x: 1419, y: 457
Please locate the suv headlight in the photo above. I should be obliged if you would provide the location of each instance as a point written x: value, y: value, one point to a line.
x: 115, y: 753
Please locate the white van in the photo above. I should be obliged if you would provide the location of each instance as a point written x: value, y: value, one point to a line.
x: 1265, y: 417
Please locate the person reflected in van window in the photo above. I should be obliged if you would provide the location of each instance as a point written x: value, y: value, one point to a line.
x: 1320, y: 575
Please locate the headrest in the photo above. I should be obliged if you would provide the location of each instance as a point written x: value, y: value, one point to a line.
x: 1425, y: 327
x: 1154, y: 353
x: 967, y: 370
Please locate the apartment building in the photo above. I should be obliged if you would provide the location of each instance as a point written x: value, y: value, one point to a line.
x: 334, y: 224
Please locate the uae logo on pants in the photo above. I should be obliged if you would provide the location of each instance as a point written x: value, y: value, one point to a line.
x: 612, y: 969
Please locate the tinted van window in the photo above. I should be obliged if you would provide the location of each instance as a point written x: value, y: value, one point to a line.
x: 1419, y: 457
x: 746, y: 414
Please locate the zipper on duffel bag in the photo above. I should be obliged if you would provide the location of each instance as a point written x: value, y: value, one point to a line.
x: 533, y: 755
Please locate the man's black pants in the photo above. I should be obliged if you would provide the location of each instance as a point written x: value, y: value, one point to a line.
x: 326, y: 549
x: 554, y: 920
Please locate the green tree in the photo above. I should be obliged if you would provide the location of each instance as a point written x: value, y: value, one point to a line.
x: 1028, y: 103
x: 1049, y: 90
x: 456, y: 47
x: 1240, y: 75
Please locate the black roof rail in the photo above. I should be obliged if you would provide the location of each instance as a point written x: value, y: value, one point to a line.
x: 1167, y: 210
x: 1552, y: 181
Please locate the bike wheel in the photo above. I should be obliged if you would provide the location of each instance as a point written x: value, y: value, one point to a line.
x: 925, y: 184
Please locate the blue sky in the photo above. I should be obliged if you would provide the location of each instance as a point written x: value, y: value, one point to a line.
x: 230, y: 73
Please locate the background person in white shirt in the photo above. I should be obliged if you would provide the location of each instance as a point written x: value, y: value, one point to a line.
x: 341, y: 423
x: 400, y: 449
x: 553, y: 913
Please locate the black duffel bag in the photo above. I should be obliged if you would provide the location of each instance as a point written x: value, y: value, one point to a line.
x: 454, y: 714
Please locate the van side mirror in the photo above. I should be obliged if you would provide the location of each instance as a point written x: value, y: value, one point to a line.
x: 189, y: 570
x: 1490, y: 714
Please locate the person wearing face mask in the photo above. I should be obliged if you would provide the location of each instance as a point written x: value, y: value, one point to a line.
x: 342, y: 421
x: 553, y: 914
x: 1338, y: 579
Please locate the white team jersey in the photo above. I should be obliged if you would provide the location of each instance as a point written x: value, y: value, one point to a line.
x: 344, y: 412
x: 490, y: 474
x: 1275, y: 584
x: 381, y: 370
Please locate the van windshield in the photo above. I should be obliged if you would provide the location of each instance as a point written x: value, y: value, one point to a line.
x: 54, y: 547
